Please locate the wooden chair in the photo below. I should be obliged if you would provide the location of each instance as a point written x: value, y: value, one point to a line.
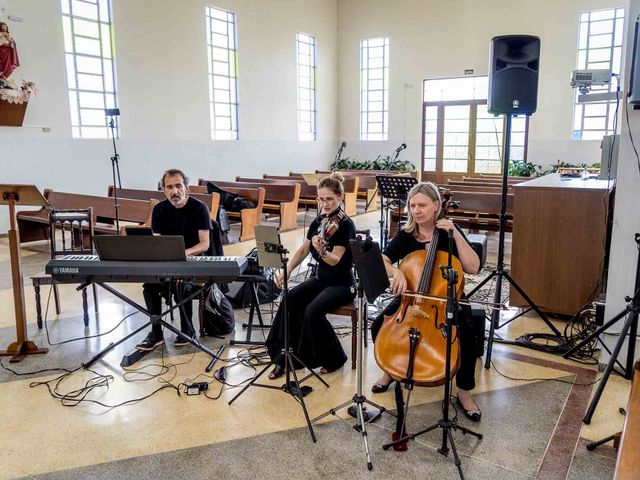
x: 71, y: 234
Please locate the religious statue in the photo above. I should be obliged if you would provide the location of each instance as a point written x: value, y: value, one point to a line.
x: 8, y: 52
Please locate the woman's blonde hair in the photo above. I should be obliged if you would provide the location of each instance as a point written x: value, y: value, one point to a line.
x: 431, y: 191
x: 333, y: 182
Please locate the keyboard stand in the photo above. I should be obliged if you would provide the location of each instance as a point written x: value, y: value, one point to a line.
x: 153, y: 320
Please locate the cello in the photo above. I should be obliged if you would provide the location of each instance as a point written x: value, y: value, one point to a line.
x: 419, y: 323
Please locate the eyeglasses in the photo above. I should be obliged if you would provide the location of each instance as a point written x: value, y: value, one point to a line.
x: 327, y: 200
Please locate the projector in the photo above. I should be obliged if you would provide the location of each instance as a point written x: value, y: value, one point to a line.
x: 585, y: 79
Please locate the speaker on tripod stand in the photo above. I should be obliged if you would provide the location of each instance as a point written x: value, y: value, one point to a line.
x: 513, y: 90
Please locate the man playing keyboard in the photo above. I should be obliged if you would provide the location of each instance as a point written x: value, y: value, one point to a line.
x: 183, y: 215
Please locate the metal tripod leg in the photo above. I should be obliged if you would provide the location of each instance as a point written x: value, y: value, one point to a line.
x: 633, y: 316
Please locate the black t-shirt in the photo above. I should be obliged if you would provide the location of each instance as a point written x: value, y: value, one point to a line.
x: 185, y: 221
x: 341, y: 273
x: 404, y: 243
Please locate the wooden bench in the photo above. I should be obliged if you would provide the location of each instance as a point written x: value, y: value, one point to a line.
x: 350, y: 190
x: 280, y: 198
x: 462, y: 183
x: 248, y: 217
x: 367, y: 186
x: 211, y: 200
x: 480, y: 210
x: 491, y: 180
x: 34, y: 225
x: 308, y: 193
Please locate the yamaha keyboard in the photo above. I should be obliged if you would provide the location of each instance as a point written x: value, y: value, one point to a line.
x: 89, y: 268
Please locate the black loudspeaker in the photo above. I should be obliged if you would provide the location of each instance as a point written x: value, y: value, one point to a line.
x: 634, y: 81
x: 513, y: 74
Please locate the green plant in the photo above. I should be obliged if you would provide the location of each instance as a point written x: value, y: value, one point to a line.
x: 519, y: 168
x: 380, y: 163
x: 559, y: 164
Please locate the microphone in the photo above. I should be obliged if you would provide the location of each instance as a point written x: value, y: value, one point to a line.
x: 344, y: 145
x: 401, y: 147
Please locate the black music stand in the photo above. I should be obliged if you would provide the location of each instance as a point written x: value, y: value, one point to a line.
x: 445, y: 423
x: 372, y: 281
x: 272, y: 254
x: 392, y: 187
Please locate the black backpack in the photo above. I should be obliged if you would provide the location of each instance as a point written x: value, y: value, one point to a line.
x: 217, y: 315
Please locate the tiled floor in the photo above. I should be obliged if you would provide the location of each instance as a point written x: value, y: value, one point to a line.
x: 532, y: 428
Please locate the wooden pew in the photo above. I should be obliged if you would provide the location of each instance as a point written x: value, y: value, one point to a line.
x: 248, y: 217
x: 455, y: 183
x: 308, y: 193
x: 350, y: 190
x: 279, y: 198
x: 367, y: 185
x: 34, y: 225
x: 628, y: 461
x: 480, y: 210
x: 211, y: 200
x: 474, y: 188
x: 491, y: 180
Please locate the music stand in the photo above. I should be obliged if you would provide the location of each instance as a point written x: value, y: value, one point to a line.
x: 23, y: 195
x: 272, y: 254
x: 392, y: 187
x: 372, y: 282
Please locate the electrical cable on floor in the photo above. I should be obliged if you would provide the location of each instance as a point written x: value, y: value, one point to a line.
x: 543, y: 379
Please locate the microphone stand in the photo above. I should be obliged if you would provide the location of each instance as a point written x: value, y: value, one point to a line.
x: 115, y: 170
x: 384, y: 234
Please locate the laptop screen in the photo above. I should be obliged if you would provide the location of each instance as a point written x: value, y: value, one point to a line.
x: 140, y: 248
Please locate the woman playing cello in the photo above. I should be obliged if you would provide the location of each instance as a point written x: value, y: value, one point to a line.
x: 423, y: 209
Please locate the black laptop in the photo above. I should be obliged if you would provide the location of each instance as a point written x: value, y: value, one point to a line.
x: 140, y: 248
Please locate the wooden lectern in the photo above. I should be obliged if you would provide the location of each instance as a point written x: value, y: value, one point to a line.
x: 24, y: 195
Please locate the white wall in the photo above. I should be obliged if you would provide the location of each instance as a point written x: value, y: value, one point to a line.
x: 442, y: 38
x: 626, y: 220
x: 163, y: 92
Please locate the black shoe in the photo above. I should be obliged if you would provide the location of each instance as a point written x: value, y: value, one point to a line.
x: 473, y: 415
x: 152, y: 340
x: 369, y: 415
x: 181, y: 341
x: 377, y: 388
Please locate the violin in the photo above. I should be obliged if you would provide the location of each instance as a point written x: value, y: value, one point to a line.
x: 328, y: 226
x: 423, y: 314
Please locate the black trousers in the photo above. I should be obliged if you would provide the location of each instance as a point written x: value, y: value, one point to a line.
x: 155, y: 292
x: 311, y: 336
x: 465, y: 378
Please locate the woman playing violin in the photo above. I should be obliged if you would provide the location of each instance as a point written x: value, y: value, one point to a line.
x: 310, y: 334
x: 423, y: 210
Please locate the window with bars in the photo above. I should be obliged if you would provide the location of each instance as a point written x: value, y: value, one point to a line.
x: 374, y: 88
x: 599, y: 46
x: 460, y: 135
x: 91, y: 70
x: 306, y: 58
x: 223, y: 78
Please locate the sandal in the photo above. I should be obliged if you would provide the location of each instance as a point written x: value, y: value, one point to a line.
x: 325, y: 371
x: 473, y: 415
x: 277, y: 372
